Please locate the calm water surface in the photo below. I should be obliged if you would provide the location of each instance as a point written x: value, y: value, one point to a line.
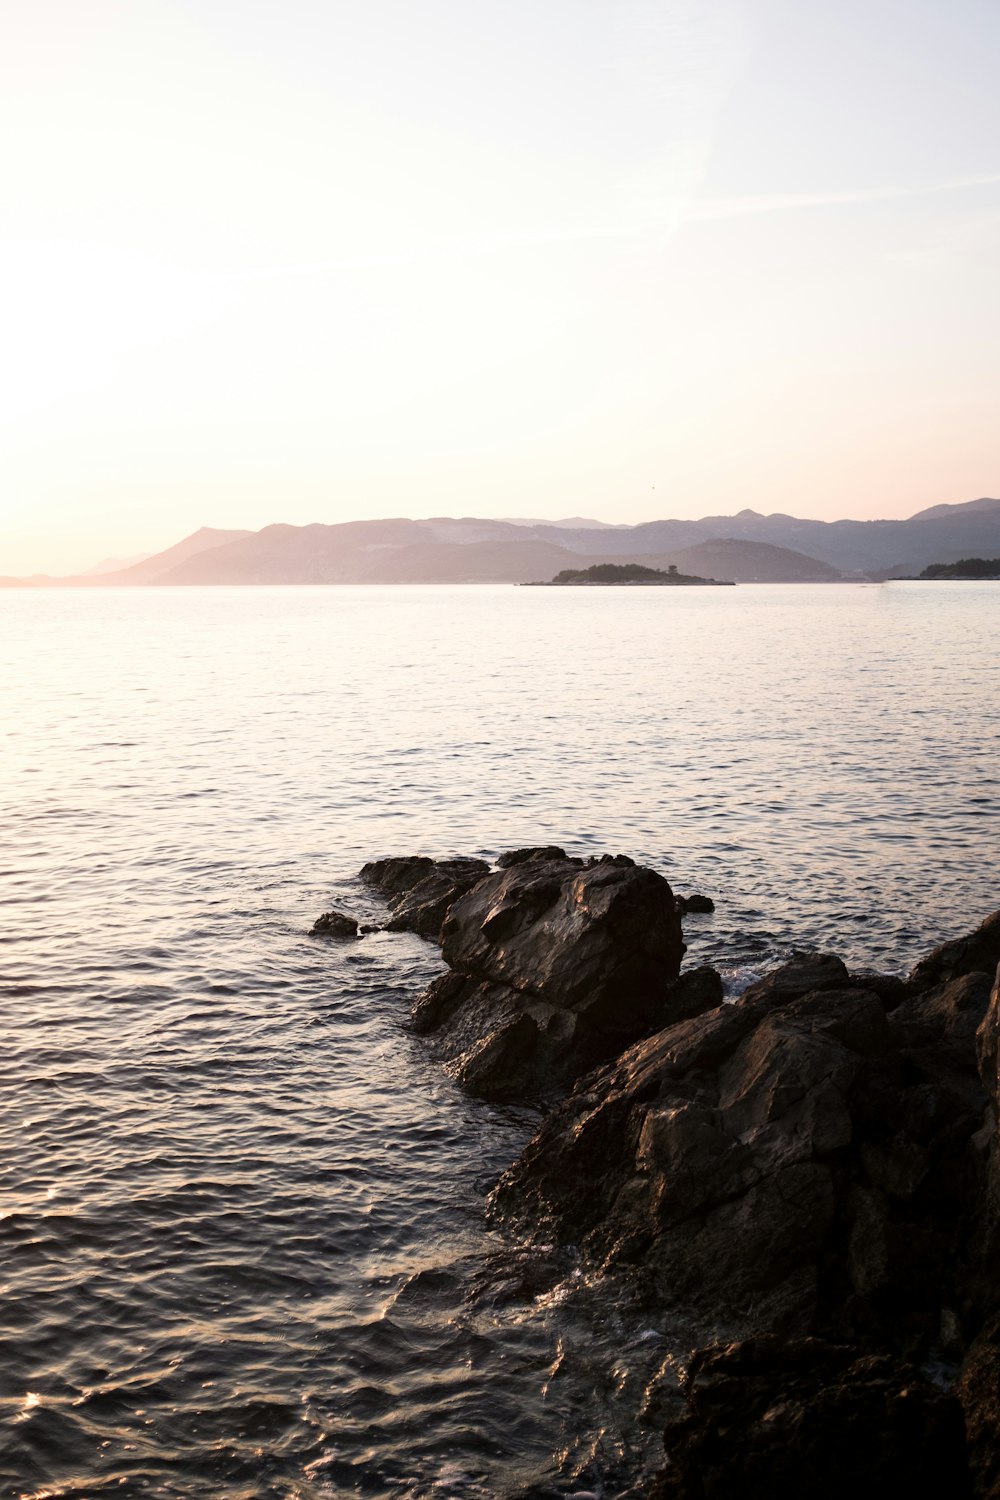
x: 241, y: 1209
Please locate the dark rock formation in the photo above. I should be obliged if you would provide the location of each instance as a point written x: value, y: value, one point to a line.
x: 977, y: 952
x: 794, y: 1162
x: 803, y: 974
x: 420, y: 890
x: 334, y: 924
x: 397, y: 874
x: 806, y: 1170
x: 554, y: 965
x: 774, y: 1420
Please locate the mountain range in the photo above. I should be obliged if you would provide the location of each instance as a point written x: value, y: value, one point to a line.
x: 747, y: 547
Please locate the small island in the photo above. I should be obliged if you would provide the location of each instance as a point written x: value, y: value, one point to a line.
x: 603, y: 574
x: 966, y: 567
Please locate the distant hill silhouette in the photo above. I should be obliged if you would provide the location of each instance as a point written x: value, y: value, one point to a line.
x: 752, y: 562
x: 115, y: 564
x: 747, y: 547
x: 205, y: 539
x: 417, y: 552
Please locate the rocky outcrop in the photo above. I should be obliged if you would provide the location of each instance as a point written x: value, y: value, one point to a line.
x: 421, y: 890
x: 553, y: 965
x: 804, y: 1170
x: 536, y: 851
x: 810, y: 1173
x: 695, y: 904
x: 795, y: 1162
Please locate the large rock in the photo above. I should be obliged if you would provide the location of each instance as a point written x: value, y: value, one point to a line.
x: 554, y: 965
x: 771, y: 1165
x: 976, y: 952
x: 601, y: 940
x: 988, y: 1050
x: 773, y: 1420
x: 936, y: 1030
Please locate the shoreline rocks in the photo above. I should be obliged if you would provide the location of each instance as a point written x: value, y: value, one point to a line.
x: 554, y: 963
x: 811, y: 1171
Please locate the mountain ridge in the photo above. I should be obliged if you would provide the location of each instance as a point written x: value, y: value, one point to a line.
x: 748, y: 546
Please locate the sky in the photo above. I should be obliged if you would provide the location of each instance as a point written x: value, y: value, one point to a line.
x: 316, y: 260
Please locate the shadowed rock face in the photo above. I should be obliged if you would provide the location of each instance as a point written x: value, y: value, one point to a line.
x: 976, y: 952
x: 601, y: 940
x: 979, y: 1383
x: 774, y: 1420
x: 790, y: 1163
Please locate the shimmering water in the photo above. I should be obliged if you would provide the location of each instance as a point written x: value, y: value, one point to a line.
x: 241, y: 1207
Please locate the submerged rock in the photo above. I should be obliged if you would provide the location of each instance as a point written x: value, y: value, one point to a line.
x: 334, y: 924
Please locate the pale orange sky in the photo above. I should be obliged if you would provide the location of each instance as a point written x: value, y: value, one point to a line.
x: 301, y: 262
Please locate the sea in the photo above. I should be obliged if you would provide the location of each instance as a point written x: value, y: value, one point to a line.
x: 242, y: 1244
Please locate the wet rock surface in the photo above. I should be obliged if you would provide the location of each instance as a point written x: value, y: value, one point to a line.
x: 335, y: 924
x: 976, y: 952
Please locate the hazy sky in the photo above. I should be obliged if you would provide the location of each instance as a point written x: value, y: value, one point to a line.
x: 312, y: 260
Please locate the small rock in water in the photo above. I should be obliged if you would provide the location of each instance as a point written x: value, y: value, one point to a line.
x: 695, y: 903
x: 334, y: 924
